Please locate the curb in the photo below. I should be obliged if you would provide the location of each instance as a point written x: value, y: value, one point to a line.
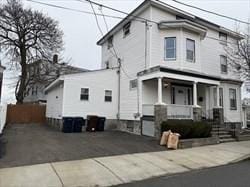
x: 242, y: 158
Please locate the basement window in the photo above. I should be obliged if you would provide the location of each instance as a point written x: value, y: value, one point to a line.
x: 108, y: 96
x: 126, y: 29
x: 84, y: 94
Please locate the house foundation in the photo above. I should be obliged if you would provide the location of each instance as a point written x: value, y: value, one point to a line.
x: 160, y: 113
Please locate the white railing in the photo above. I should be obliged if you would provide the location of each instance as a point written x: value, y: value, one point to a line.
x: 173, y: 111
x: 148, y: 110
x: 3, y: 112
x: 180, y: 111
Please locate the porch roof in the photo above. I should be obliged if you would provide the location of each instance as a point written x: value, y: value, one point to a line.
x: 187, y: 75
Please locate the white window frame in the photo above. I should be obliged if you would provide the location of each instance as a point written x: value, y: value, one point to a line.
x: 110, y: 42
x: 223, y: 57
x: 172, y: 48
x: 82, y: 94
x: 223, y: 38
x: 133, y: 84
x: 235, y: 95
x: 108, y: 97
x: 126, y: 29
x: 193, y: 41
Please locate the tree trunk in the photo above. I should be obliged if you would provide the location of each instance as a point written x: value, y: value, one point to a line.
x: 23, y: 77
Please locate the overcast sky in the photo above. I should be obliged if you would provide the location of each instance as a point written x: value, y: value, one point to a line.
x: 81, y: 32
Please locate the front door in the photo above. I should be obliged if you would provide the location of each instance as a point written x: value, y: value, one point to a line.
x: 181, y: 95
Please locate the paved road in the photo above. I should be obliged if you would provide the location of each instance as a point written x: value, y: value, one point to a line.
x: 234, y: 175
x: 35, y: 144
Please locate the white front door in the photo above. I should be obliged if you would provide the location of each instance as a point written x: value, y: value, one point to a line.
x: 182, y: 95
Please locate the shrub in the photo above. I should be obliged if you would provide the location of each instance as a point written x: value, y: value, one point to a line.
x: 188, y: 128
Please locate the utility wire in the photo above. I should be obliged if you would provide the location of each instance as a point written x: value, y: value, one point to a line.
x: 96, y: 19
x: 210, y: 12
x: 91, y: 13
x: 104, y: 19
x: 72, y: 9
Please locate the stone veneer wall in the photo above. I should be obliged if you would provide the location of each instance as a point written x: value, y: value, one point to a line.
x: 131, y: 126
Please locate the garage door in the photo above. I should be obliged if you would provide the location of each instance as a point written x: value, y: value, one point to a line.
x: 148, y: 127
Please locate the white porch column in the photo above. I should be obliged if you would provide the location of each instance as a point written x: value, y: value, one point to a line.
x: 160, y: 92
x: 217, y: 97
x: 195, y: 94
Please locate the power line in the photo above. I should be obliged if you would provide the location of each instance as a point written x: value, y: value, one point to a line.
x: 72, y: 9
x: 96, y: 19
x: 91, y: 13
x: 210, y: 12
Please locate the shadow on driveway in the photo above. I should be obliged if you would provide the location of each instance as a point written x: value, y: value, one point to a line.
x: 34, y: 144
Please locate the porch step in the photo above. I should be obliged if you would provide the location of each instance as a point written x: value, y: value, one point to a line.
x: 227, y: 140
x: 220, y: 132
x: 225, y: 136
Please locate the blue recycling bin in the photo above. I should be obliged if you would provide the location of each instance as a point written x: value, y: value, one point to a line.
x: 68, y: 123
x: 79, y: 122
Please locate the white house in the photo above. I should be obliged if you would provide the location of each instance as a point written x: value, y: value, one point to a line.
x: 158, y: 55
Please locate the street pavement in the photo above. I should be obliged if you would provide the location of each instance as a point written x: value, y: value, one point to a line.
x: 232, y: 175
x: 122, y: 169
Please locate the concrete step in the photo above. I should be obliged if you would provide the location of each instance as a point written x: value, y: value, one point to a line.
x: 227, y: 140
x: 225, y: 136
x: 220, y: 132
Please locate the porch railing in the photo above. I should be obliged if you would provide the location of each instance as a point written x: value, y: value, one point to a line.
x: 173, y: 111
x: 180, y: 111
x: 148, y: 110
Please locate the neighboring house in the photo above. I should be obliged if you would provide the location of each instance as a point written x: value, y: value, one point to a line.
x: 179, y: 63
x: 41, y: 74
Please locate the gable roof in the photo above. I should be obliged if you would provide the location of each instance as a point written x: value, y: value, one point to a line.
x: 169, y: 8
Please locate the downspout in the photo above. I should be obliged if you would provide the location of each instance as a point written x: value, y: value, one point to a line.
x: 119, y: 88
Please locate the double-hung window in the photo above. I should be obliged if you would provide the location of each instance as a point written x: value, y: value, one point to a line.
x: 170, y: 48
x: 108, y: 96
x: 223, y: 64
x: 223, y: 38
x: 232, y: 99
x: 190, y: 50
x: 126, y: 29
x: 84, y: 94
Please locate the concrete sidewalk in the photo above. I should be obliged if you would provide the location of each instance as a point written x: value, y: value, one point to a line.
x: 114, y: 170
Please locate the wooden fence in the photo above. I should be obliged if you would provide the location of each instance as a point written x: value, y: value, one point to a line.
x: 26, y: 113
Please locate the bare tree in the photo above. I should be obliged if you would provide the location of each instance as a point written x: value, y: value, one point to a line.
x: 238, y: 54
x: 27, y: 35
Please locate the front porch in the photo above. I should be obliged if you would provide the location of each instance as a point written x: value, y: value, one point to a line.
x: 169, y: 94
x: 182, y: 98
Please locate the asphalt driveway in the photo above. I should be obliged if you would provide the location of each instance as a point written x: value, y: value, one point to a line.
x: 35, y: 144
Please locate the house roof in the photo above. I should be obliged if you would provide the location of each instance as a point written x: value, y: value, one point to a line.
x: 171, y: 9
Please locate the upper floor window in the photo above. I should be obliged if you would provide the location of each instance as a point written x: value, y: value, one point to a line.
x: 126, y: 29
x: 223, y: 64
x: 170, y: 48
x: 133, y: 84
x: 84, y: 94
x: 110, y: 42
x: 232, y: 99
x: 190, y: 50
x: 108, y: 96
x: 223, y: 38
